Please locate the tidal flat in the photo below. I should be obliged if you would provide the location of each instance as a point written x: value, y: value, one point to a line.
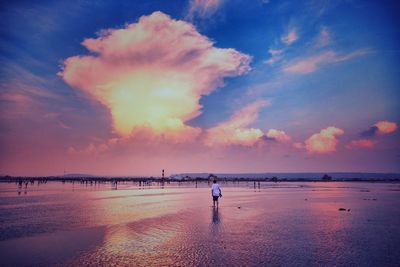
x: 256, y: 224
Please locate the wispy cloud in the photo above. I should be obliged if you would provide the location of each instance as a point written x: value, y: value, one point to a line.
x: 236, y: 131
x: 311, y: 64
x: 258, y: 89
x: 18, y: 83
x: 290, y: 37
x: 63, y: 125
x: 22, y: 100
x: 361, y: 143
x: 324, y: 37
x: 203, y: 8
x: 276, y: 55
x: 152, y: 74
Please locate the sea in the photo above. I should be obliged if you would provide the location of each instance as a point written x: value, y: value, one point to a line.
x: 175, y: 224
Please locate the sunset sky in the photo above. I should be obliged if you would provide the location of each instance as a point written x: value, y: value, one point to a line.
x: 133, y: 87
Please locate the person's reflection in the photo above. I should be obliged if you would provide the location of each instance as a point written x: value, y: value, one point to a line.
x: 215, y: 226
x: 215, y: 216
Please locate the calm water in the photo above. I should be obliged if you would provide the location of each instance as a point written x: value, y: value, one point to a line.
x: 282, y: 224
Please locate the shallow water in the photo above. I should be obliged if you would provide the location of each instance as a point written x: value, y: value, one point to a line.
x: 271, y: 224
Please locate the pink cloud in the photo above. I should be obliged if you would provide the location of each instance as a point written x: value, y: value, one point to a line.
x: 361, y: 143
x: 385, y: 127
x: 275, y: 52
x: 17, y: 98
x: 278, y: 135
x: 311, y: 64
x: 290, y: 37
x: 203, y: 8
x: 236, y: 130
x: 275, y: 56
x: 152, y: 74
x: 323, y: 142
x: 299, y: 145
x: 142, y: 141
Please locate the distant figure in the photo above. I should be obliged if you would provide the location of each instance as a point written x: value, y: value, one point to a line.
x: 215, y: 192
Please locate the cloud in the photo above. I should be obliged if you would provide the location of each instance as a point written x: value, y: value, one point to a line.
x: 299, y: 145
x: 23, y: 88
x: 63, y: 125
x: 385, y: 127
x: 275, y: 52
x: 143, y: 141
x: 361, y: 143
x: 368, y: 136
x: 17, y: 98
x: 236, y: 131
x: 258, y: 89
x: 152, y: 74
x: 323, y: 142
x: 371, y: 132
x: 277, y: 135
x: 203, y: 8
x: 275, y: 56
x: 324, y: 37
x: 290, y: 37
x: 381, y: 127
x: 23, y: 101
x: 311, y: 64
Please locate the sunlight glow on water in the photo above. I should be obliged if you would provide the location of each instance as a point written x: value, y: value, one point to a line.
x: 287, y: 224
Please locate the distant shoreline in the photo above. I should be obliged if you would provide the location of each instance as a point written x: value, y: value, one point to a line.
x: 100, y: 179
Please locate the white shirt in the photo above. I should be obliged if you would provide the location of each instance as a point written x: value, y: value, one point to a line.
x: 215, y: 190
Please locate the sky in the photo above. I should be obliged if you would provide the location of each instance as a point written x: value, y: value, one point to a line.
x: 234, y: 86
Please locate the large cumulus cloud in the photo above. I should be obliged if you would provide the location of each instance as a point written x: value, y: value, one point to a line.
x: 152, y: 74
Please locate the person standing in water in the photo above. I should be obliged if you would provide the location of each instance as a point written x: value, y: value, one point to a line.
x: 215, y: 192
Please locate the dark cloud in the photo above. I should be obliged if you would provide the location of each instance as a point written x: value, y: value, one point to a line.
x: 370, y: 133
x: 268, y: 139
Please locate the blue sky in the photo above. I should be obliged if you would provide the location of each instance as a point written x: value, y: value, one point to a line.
x: 315, y: 64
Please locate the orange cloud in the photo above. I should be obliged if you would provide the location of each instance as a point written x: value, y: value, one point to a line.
x: 278, y: 135
x: 361, y: 143
x: 385, y: 127
x: 323, y: 142
x: 235, y: 131
x: 152, y: 74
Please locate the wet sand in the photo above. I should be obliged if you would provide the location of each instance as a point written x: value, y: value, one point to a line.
x: 276, y: 224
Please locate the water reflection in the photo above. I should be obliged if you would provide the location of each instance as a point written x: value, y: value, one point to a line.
x: 215, y: 215
x: 215, y: 236
x: 175, y: 227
